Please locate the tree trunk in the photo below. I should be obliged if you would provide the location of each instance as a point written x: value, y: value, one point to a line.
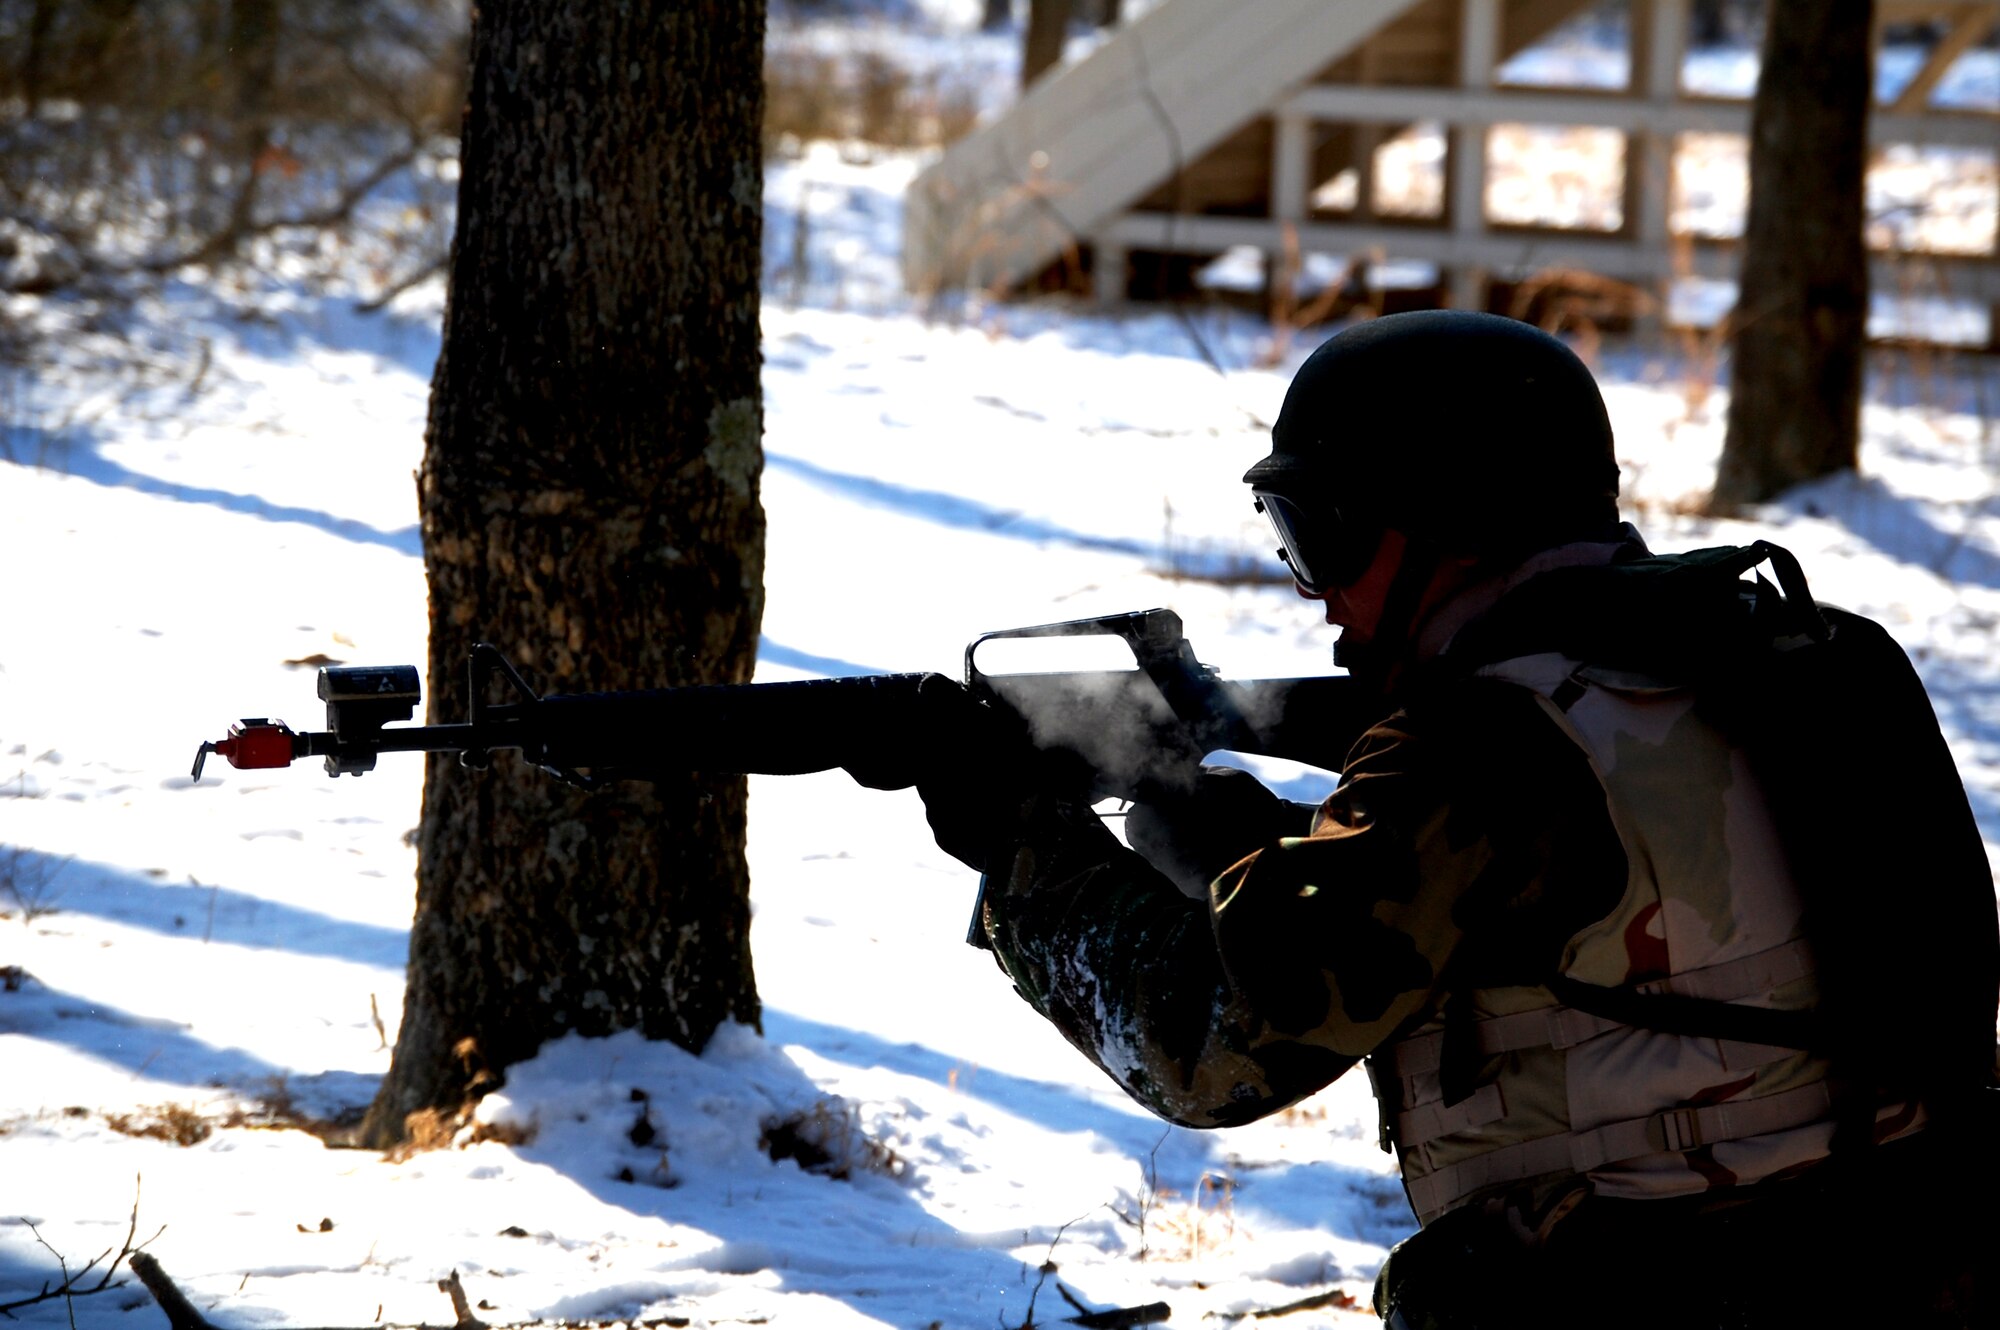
x: 590, y: 504
x: 1802, y: 306
x: 252, y: 54
x: 35, y: 55
x: 1042, y: 45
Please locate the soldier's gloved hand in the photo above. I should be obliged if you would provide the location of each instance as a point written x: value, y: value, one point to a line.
x: 1192, y: 836
x: 972, y: 764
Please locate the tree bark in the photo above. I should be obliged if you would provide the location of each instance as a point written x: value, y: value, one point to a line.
x: 590, y: 504
x: 1801, y: 317
x: 35, y: 55
x: 252, y: 53
x: 1042, y: 43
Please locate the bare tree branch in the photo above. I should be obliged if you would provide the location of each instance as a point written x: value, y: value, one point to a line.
x: 72, y: 1285
x: 243, y: 227
x: 437, y: 263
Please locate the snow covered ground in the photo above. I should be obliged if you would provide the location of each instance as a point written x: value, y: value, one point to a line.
x: 185, y: 969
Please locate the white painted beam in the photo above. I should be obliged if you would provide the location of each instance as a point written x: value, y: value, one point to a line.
x: 1975, y: 129
x: 1971, y: 278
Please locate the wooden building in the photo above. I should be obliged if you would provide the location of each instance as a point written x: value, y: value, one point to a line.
x: 1214, y: 124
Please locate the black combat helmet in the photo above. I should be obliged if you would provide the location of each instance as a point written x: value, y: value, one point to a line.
x: 1472, y: 434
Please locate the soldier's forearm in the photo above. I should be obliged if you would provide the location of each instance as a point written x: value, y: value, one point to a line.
x: 1126, y: 967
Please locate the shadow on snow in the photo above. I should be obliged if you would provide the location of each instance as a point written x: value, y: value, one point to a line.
x: 877, y: 1240
x: 1180, y: 1155
x: 67, y: 455
x: 832, y: 667
x: 1896, y: 526
x: 199, y: 913
x: 953, y: 510
x: 154, y: 1046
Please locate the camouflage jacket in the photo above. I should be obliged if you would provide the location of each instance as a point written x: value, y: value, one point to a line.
x: 1467, y: 840
x: 1530, y: 821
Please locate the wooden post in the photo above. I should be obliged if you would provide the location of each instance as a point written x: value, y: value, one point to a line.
x: 1478, y: 50
x: 1107, y: 271
x: 1366, y: 137
x: 1659, y: 43
x: 1291, y: 152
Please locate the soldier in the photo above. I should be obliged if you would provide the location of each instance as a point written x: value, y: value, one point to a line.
x: 1636, y: 1071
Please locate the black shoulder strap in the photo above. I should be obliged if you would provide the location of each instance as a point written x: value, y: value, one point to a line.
x: 1673, y: 1013
x: 1801, y: 610
x: 1686, y: 615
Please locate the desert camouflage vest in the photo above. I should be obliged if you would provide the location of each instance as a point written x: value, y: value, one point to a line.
x: 1545, y: 1092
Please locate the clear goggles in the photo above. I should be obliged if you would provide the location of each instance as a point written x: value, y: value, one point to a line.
x: 1323, y: 550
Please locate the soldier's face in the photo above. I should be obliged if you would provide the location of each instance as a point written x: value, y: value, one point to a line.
x: 1357, y: 607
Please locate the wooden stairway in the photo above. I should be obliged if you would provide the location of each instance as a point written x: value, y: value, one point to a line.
x: 1175, y: 114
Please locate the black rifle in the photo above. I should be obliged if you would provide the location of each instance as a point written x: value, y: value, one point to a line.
x: 1138, y: 733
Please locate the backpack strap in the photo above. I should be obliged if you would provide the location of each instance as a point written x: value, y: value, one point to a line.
x: 1792, y: 585
x: 1676, y: 1129
x: 1687, y: 616
x: 1710, y: 997
x: 1674, y: 1013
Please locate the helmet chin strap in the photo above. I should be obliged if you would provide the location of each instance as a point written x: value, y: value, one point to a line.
x: 1375, y: 662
